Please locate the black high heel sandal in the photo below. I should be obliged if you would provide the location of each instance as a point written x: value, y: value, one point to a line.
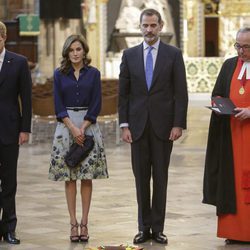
x: 74, y: 238
x: 84, y: 237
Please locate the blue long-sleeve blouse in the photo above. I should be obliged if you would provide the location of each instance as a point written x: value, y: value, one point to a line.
x: 84, y: 92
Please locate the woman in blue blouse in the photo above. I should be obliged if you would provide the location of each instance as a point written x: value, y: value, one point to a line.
x: 77, y: 95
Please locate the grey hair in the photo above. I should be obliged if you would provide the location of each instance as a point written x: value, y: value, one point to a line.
x: 243, y: 30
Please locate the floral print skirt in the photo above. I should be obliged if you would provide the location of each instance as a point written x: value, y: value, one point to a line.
x: 92, y: 167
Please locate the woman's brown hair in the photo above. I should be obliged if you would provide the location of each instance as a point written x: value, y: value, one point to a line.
x: 66, y: 63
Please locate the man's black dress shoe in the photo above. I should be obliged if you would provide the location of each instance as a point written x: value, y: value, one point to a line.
x: 142, y: 237
x: 11, y: 238
x: 159, y: 237
x: 231, y: 242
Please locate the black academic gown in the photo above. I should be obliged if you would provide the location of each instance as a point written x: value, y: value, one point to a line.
x: 219, y: 183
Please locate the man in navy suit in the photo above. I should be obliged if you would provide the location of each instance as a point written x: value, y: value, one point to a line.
x: 153, y: 103
x: 15, y: 125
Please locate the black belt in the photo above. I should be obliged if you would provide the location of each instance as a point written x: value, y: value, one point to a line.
x: 77, y: 109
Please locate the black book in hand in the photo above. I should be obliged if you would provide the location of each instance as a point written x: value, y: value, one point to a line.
x: 223, y: 106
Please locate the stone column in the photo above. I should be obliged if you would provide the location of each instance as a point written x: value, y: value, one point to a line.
x: 192, y: 28
x: 96, y: 27
x: 103, y: 33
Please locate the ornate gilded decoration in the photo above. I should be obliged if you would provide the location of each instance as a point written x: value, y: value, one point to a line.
x: 234, y: 8
x: 211, y: 7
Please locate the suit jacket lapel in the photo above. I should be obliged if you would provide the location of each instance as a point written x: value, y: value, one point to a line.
x: 140, y: 63
x: 5, y: 67
x: 158, y: 64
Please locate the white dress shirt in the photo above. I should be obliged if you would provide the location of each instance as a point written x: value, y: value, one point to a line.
x: 1, y: 58
x: 154, y: 52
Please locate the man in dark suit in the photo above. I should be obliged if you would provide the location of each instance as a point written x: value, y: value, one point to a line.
x: 15, y: 125
x: 152, y: 114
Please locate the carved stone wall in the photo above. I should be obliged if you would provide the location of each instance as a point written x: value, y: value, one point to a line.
x: 234, y: 14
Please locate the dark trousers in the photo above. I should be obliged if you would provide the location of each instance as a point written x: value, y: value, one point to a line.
x: 150, y: 158
x: 8, y: 177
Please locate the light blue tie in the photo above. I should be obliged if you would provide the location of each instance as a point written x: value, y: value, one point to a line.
x: 149, y: 67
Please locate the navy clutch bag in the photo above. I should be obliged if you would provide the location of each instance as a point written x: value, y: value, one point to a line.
x: 78, y: 153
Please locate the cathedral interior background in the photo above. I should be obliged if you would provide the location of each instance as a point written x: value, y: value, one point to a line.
x: 205, y: 31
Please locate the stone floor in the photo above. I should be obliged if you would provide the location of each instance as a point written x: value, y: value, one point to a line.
x: 43, y: 222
